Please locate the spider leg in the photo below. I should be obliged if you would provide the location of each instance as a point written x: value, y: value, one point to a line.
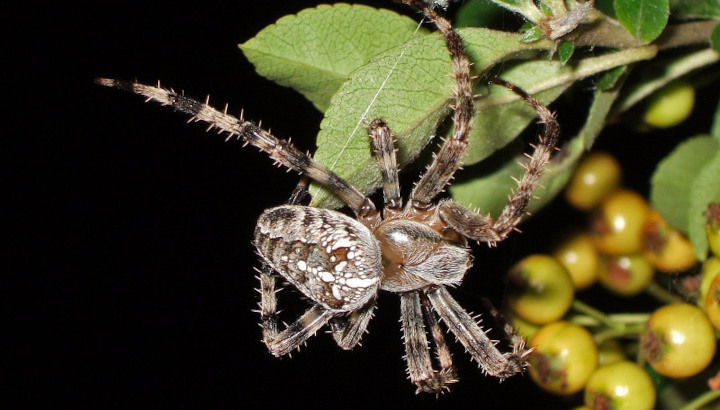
x: 517, y: 343
x: 447, y: 161
x: 474, y: 339
x: 417, y: 351
x: 441, y: 348
x: 381, y: 142
x: 300, y: 192
x: 282, y: 151
x: 483, y: 228
x: 279, y: 342
x: 348, y: 330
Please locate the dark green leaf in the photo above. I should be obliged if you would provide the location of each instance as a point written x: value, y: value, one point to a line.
x: 696, y: 9
x: 715, y: 39
x: 671, y: 184
x: 477, y: 13
x: 597, y: 117
x: 315, y: 51
x: 644, y: 19
x: 609, y: 79
x: 565, y: 51
x: 606, y: 6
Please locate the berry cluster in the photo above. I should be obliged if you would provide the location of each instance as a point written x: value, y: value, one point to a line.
x: 578, y: 347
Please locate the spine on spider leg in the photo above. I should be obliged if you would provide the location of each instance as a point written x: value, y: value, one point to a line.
x: 520, y: 199
x: 448, y: 160
x: 282, y: 151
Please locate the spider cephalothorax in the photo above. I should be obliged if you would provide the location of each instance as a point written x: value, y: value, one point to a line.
x: 414, y: 250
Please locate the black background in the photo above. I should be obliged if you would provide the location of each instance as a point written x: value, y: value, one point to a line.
x: 130, y: 268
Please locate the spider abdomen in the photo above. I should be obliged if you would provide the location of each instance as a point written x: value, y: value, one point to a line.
x: 331, y: 258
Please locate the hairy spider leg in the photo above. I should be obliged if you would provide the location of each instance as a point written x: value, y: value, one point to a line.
x: 441, y: 348
x: 382, y: 145
x: 417, y: 348
x: 415, y: 309
x: 448, y: 160
x: 280, y: 343
x: 282, y: 151
x: 348, y: 329
x: 483, y: 228
x: 474, y: 339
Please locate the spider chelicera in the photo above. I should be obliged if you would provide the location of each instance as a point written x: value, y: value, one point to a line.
x: 414, y: 250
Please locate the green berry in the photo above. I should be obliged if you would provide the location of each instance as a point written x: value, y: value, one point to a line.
x: 540, y: 289
x: 670, y: 105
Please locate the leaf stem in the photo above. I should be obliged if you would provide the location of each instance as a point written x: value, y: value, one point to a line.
x: 662, y: 294
x: 669, y: 72
x: 702, y: 400
x: 596, y: 314
x: 626, y: 331
x: 584, y: 68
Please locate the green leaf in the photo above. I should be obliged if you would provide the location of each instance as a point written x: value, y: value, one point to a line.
x: 477, y: 13
x: 671, y: 184
x: 492, y: 184
x: 715, y: 39
x: 598, y: 114
x: 609, y: 79
x: 606, y: 6
x: 502, y: 114
x: 409, y: 86
x: 565, y: 51
x: 705, y: 189
x: 644, y: 19
x: 315, y: 51
x: 531, y: 34
x: 696, y: 9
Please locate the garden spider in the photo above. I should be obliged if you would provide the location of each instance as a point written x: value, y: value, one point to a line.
x: 415, y: 250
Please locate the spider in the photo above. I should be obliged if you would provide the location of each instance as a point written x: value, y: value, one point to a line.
x: 415, y: 250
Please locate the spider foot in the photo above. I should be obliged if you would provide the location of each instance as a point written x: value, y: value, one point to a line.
x: 438, y: 383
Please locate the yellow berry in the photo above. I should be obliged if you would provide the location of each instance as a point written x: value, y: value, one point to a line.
x: 579, y: 256
x: 616, y: 225
x: 565, y: 356
x: 665, y: 247
x: 596, y: 176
